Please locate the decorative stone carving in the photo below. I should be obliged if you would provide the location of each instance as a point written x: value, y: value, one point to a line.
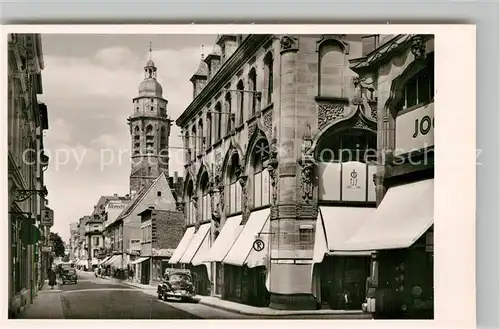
x: 289, y: 43
x: 328, y: 113
x: 251, y: 130
x: 418, y: 46
x: 373, y: 112
x: 268, y: 121
x: 243, y: 179
x: 307, y: 178
x: 272, y: 168
x: 180, y: 206
x: 361, y: 124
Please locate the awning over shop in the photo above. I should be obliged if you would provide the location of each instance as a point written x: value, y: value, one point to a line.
x: 334, y: 226
x: 241, y: 251
x: 115, y: 261
x: 403, y: 216
x: 195, y: 244
x: 228, y: 235
x: 201, y: 254
x: 102, y: 261
x: 182, y: 246
x: 138, y: 260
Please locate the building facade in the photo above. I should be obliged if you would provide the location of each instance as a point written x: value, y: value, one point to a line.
x: 73, y: 238
x: 94, y: 241
x: 401, y: 70
x: 279, y: 171
x: 27, y: 120
x: 161, y: 232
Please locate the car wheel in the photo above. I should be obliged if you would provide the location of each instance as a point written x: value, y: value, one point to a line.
x: 159, y: 296
x: 165, y: 298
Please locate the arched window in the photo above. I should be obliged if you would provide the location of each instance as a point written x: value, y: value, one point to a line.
x: 347, y: 144
x: 205, y: 198
x: 228, y: 112
x: 137, y: 140
x: 233, y: 191
x: 419, y: 89
x: 218, y: 122
x: 252, y: 86
x: 268, y: 68
x: 261, y: 181
x: 190, y: 209
x: 201, y: 141
x: 209, y: 130
x: 194, y: 142
x: 150, y: 139
x: 187, y: 146
x: 241, y: 101
x: 163, y: 139
x: 331, y: 69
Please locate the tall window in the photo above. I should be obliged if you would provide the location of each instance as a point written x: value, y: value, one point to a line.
x: 163, y: 139
x: 268, y: 67
x: 209, y: 130
x: 137, y: 140
x: 252, y: 86
x: 228, y: 112
x: 205, y: 198
x: 218, y: 122
x: 345, y: 145
x: 201, y: 141
x: 261, y: 181
x: 419, y: 89
x: 96, y: 241
x: 331, y: 69
x: 194, y: 141
x: 187, y: 145
x: 190, y: 209
x: 233, y: 199
x: 149, y: 139
x: 241, y: 101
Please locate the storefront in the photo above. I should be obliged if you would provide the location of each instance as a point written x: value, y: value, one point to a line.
x: 194, y: 259
x: 401, y: 231
x: 220, y: 248
x: 245, y: 274
x: 141, y: 269
x: 339, y: 277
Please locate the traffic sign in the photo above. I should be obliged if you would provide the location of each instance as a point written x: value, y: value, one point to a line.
x: 258, y: 245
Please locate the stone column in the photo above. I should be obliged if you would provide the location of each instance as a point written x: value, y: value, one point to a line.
x: 290, y: 282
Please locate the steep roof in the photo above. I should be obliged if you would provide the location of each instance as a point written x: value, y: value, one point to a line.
x: 138, y: 197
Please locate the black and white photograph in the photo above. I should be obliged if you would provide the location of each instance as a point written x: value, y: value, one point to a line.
x: 221, y: 176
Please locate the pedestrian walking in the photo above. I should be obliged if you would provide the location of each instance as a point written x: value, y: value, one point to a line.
x: 52, y: 278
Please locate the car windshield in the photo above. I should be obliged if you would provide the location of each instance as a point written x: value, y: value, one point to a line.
x: 70, y: 271
x: 180, y: 277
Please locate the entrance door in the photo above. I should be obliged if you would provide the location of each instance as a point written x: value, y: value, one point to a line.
x: 145, y: 271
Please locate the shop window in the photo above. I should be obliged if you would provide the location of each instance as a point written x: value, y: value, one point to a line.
x: 349, y: 144
x: 419, y: 89
x: 261, y: 181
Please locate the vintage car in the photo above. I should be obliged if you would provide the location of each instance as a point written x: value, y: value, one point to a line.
x: 177, y: 283
x: 69, y: 275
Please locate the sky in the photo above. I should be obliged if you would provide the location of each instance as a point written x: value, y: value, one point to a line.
x: 89, y: 82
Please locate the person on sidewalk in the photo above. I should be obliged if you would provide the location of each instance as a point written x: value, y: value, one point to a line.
x: 52, y: 278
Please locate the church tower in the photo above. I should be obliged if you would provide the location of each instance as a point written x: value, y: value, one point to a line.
x: 150, y: 131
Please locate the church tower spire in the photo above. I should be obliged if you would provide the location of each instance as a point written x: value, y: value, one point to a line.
x: 150, y: 131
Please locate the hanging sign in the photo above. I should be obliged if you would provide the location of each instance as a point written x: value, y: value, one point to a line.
x: 47, y: 217
x: 258, y: 245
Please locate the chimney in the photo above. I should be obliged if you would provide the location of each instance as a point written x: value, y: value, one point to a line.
x: 127, y: 196
x: 115, y: 195
x: 176, y: 177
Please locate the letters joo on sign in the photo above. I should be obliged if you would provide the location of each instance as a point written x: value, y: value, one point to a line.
x: 423, y: 126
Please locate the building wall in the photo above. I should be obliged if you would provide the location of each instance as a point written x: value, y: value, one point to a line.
x: 132, y: 222
x: 167, y: 229
x: 27, y: 118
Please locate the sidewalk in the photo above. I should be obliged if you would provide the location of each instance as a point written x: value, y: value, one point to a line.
x: 47, y: 305
x: 267, y: 311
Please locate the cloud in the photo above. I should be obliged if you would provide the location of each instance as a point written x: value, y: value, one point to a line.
x: 89, y: 99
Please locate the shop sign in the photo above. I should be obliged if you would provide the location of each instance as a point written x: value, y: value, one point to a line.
x: 47, y: 217
x: 415, y: 130
x: 348, y: 181
x: 258, y: 245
